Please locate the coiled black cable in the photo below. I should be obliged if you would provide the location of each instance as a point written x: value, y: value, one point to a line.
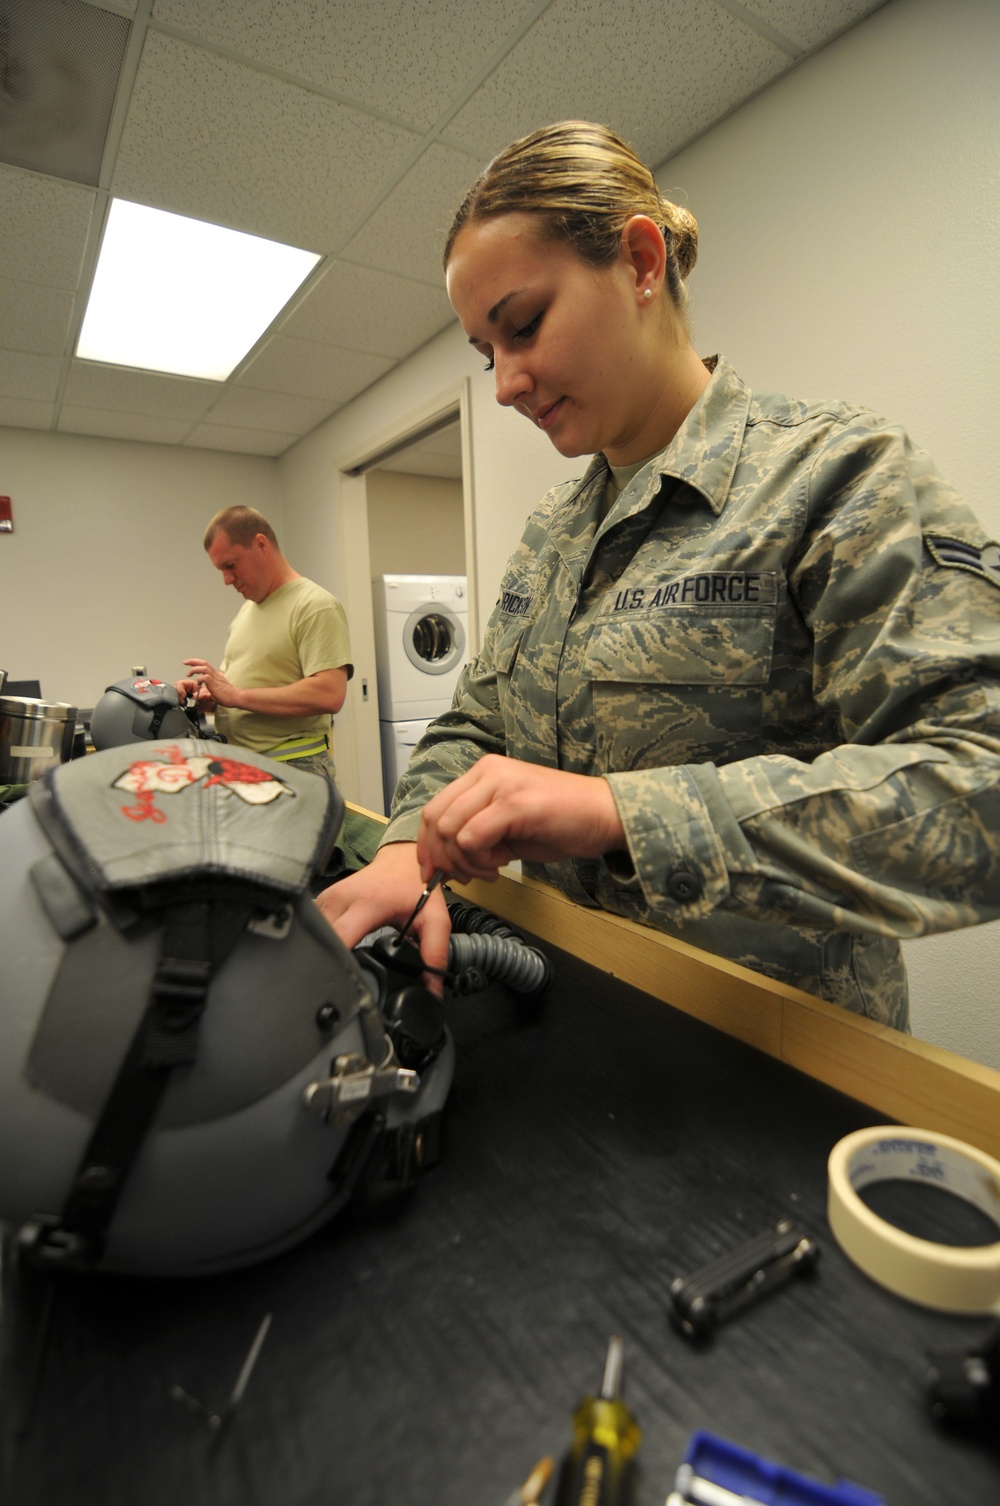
x: 482, y: 942
x: 502, y: 959
x: 473, y: 920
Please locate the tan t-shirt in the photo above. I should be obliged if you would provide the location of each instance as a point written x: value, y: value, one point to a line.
x: 297, y: 631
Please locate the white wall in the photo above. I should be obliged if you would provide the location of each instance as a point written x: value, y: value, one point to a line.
x: 105, y: 567
x: 415, y: 524
x: 850, y: 222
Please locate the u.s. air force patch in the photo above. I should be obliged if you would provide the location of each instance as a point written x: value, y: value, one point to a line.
x: 725, y: 588
x: 959, y: 555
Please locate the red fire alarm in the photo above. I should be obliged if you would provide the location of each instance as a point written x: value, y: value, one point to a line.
x: 6, y: 516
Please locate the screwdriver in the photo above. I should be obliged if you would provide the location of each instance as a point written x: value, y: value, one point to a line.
x: 600, y: 1466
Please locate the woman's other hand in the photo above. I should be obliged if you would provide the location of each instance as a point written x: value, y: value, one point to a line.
x: 504, y: 809
x: 384, y: 894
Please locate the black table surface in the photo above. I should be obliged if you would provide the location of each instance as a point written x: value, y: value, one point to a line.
x: 427, y: 1350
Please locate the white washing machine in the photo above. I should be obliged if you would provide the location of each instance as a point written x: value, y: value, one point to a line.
x: 421, y: 636
x: 398, y: 742
x: 420, y: 642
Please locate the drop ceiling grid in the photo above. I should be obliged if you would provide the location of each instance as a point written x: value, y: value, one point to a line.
x: 231, y: 119
x: 410, y: 61
x: 810, y: 22
x: 308, y: 368
x: 115, y: 388
x: 212, y: 138
x: 407, y: 231
x: 23, y: 413
x: 103, y: 423
x: 24, y: 374
x: 362, y: 308
x: 657, y: 73
x: 247, y: 408
x: 239, y: 441
x: 34, y: 319
x: 43, y: 228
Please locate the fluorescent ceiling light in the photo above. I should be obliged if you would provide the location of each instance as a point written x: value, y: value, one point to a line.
x: 182, y: 296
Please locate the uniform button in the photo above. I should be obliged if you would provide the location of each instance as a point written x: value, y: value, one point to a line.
x: 684, y: 886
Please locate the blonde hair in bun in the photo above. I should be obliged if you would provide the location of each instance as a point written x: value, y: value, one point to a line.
x: 584, y: 183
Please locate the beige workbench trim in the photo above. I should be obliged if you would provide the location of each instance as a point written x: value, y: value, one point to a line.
x: 904, y: 1078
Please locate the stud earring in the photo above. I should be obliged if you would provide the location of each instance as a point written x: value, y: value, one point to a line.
x: 648, y: 293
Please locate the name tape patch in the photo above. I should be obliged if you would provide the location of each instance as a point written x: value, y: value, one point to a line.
x: 730, y: 588
x: 958, y: 555
x: 515, y: 605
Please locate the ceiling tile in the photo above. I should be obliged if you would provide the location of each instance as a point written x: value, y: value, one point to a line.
x: 43, y: 228
x: 148, y: 392
x: 34, y: 318
x: 107, y: 425
x: 408, y: 61
x: 61, y: 65
x: 686, y: 64
x: 240, y: 441
x: 406, y: 234
x: 307, y: 368
x: 30, y: 376
x: 809, y: 22
x: 210, y: 138
x: 362, y: 308
x: 20, y: 413
x: 245, y: 408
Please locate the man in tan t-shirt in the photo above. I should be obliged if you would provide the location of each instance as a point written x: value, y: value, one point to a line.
x: 287, y: 662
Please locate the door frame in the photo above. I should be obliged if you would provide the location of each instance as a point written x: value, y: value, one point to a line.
x: 362, y: 756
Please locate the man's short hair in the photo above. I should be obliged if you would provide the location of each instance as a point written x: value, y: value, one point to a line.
x: 241, y: 525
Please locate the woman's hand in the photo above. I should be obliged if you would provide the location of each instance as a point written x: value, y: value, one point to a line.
x: 383, y: 894
x: 504, y: 808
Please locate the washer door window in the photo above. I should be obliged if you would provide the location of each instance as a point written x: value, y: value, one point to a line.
x: 434, y: 639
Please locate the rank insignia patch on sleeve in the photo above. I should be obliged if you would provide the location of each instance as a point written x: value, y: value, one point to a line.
x: 958, y: 555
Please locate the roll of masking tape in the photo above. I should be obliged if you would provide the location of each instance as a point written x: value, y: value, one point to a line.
x: 960, y: 1279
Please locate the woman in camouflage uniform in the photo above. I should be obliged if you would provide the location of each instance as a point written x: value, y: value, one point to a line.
x: 742, y: 682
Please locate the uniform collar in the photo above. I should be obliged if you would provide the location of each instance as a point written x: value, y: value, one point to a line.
x: 705, y: 450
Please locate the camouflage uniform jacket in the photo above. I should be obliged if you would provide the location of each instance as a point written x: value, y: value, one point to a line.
x: 781, y: 647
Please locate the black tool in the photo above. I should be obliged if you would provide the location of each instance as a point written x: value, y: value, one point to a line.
x: 735, y: 1280
x: 216, y: 1421
x: 964, y: 1387
x: 600, y: 1467
x: 436, y: 878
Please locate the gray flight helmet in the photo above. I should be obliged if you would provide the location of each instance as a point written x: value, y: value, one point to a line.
x: 137, y: 709
x: 195, y: 1073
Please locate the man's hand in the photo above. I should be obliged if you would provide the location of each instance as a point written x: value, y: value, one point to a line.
x: 321, y: 694
x: 385, y: 893
x: 212, y: 683
x: 187, y: 688
x: 503, y: 808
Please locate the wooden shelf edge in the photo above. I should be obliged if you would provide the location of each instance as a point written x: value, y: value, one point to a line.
x: 906, y: 1079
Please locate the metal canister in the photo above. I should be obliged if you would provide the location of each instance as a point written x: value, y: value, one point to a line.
x: 34, y: 735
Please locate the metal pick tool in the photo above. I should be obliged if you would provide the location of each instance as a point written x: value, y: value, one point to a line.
x: 216, y: 1421
x: 436, y: 878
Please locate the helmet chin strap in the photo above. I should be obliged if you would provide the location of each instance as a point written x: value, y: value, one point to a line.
x: 197, y: 936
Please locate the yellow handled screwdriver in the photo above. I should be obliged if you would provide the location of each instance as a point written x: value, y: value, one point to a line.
x: 600, y: 1466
